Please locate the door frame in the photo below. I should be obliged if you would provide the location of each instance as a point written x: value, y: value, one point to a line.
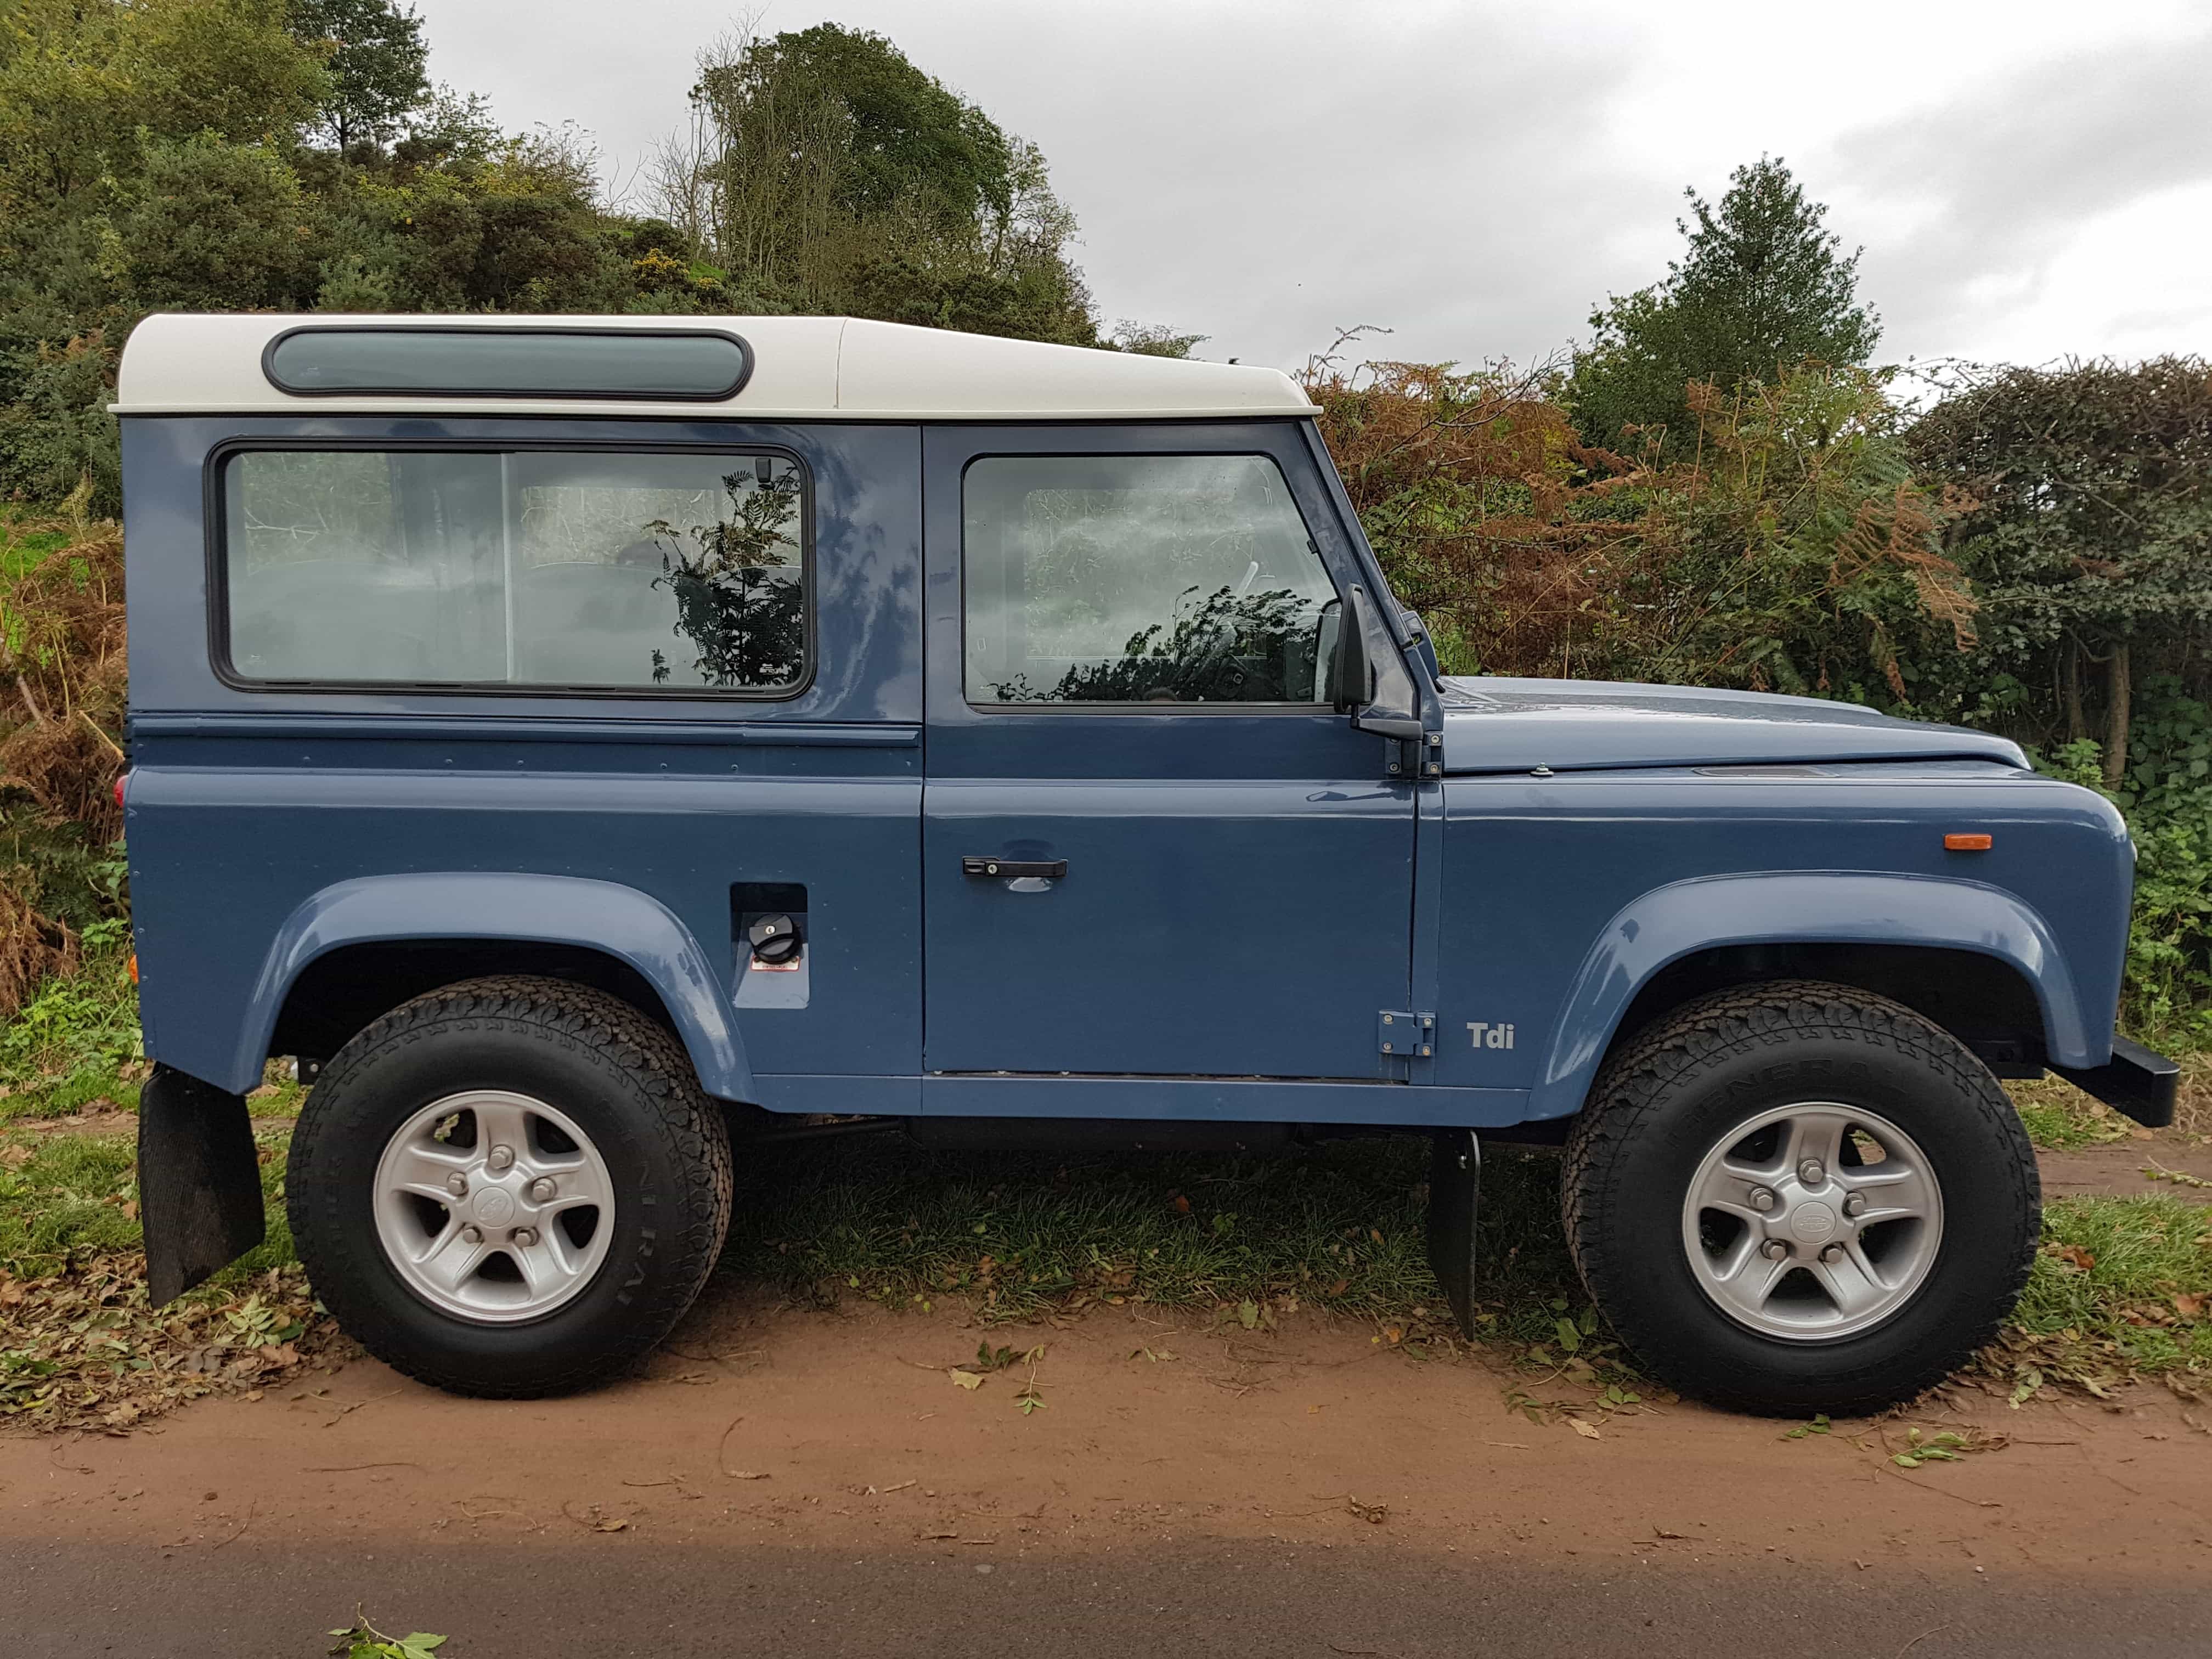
x: 955, y: 728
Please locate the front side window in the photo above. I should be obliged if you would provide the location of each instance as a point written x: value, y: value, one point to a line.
x: 557, y: 568
x: 1143, y: 579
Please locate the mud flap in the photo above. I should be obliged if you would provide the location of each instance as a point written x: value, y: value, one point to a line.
x: 1455, y: 1195
x: 199, y: 1181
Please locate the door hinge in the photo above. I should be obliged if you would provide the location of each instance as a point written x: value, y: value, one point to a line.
x: 1409, y: 1036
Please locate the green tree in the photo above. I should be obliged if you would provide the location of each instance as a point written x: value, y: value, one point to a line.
x: 376, y: 56
x: 145, y: 152
x: 826, y: 171
x: 1760, y: 289
x: 2087, y: 528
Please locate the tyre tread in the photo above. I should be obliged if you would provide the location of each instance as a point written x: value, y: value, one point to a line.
x: 1637, y: 1081
x: 690, y: 1124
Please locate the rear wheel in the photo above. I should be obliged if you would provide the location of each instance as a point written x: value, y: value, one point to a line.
x: 1799, y: 1197
x: 509, y: 1186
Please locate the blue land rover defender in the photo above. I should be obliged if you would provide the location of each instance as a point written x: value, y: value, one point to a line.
x: 587, y: 744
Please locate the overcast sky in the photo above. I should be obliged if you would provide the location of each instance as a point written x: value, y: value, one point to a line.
x: 2028, y: 179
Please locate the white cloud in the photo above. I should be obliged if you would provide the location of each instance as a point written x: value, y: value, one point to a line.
x: 1476, y: 176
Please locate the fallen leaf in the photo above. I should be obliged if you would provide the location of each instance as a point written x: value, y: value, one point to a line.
x: 2075, y: 1256
x: 745, y: 1474
x: 1373, y: 1514
x: 1584, y: 1429
x: 2190, y: 1304
x: 968, y: 1380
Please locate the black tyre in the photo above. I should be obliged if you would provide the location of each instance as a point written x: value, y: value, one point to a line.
x: 509, y: 1186
x: 1795, y: 1197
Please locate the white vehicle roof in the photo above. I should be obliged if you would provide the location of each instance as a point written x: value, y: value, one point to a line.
x: 804, y: 368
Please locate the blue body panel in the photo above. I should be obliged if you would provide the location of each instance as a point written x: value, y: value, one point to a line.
x: 1248, y: 889
x: 1640, y: 870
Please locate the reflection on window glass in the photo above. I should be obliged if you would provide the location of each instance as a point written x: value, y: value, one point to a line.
x: 1139, y: 579
x: 529, y: 569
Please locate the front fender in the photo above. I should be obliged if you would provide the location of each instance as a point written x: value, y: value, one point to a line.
x: 1803, y: 907
x: 599, y: 915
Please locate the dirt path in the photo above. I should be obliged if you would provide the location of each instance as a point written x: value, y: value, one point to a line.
x: 771, y: 1470
x: 2119, y: 1170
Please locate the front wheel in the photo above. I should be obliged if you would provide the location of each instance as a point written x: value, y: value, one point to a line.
x: 1799, y: 1197
x: 509, y: 1186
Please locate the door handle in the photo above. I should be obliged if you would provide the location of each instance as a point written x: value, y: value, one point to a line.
x: 1000, y: 869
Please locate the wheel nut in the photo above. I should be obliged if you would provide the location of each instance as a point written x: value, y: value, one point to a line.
x: 1831, y: 1254
x: 1855, y: 1204
x: 1811, y: 1172
x: 471, y: 1235
x: 501, y: 1157
x: 526, y: 1236
x: 1774, y: 1250
x: 1761, y: 1199
x: 458, y: 1185
x: 542, y: 1189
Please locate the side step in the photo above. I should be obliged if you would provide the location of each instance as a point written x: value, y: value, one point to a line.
x: 1454, y: 1198
x: 2135, y: 1081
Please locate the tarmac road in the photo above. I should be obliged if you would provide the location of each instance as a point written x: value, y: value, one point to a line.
x: 65, y: 1600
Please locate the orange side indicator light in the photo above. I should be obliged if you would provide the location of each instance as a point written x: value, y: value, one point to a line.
x: 134, y: 967
x: 1967, y: 843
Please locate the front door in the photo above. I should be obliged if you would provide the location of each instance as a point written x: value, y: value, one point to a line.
x: 1150, y: 846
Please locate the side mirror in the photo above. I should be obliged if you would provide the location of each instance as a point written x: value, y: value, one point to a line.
x: 1373, y: 684
x: 1347, y: 684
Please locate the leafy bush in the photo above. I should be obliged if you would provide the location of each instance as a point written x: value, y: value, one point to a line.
x: 2167, y: 798
x: 1792, y: 550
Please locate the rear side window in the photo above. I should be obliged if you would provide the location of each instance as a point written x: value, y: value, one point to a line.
x: 1139, y: 579
x: 553, y: 569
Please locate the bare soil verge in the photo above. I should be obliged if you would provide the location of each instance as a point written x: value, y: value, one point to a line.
x: 846, y: 1430
x: 2129, y: 1168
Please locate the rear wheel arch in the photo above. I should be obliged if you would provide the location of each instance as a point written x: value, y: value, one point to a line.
x: 402, y: 935
x: 344, y: 991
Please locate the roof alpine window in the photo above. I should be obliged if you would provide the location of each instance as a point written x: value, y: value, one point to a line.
x: 434, y: 361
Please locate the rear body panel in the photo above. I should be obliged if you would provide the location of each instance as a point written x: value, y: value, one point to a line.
x: 247, y: 805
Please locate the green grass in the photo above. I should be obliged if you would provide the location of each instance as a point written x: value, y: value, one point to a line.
x: 78, y: 1343
x: 2060, y: 1118
x: 75, y: 1042
x: 61, y: 1194
x: 22, y: 550
x: 1338, y: 1227
x: 2122, y: 1284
